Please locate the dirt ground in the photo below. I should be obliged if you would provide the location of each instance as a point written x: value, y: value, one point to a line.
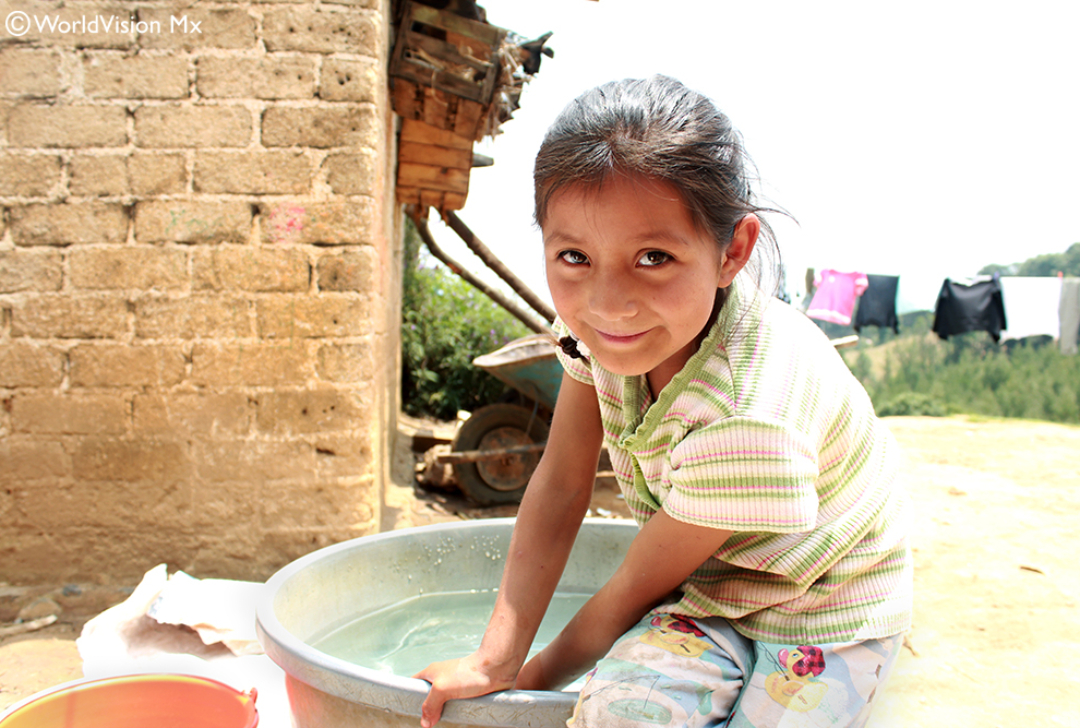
x: 996, y: 625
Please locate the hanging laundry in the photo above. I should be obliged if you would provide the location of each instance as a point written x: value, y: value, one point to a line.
x: 917, y: 291
x: 835, y: 297
x: 1069, y: 316
x: 1032, y: 304
x: 975, y: 306
x: 877, y: 305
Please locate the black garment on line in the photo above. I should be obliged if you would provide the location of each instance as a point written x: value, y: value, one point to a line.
x: 976, y: 307
x: 877, y: 304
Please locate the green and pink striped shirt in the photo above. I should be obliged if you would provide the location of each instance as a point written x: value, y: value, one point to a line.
x: 765, y: 432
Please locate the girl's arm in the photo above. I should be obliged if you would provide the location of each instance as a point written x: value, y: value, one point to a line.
x: 547, y: 524
x: 659, y: 560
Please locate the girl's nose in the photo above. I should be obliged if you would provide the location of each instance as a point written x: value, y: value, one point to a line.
x: 610, y: 297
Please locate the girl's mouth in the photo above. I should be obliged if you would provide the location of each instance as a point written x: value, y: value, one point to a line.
x: 619, y: 339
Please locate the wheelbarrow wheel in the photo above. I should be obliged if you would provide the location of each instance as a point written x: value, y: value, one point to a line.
x: 494, y: 427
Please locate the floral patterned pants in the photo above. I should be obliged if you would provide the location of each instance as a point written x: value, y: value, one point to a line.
x: 675, y: 671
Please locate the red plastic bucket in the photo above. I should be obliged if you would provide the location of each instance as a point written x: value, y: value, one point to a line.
x: 136, y: 701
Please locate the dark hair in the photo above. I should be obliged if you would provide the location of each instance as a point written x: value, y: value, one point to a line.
x: 660, y: 129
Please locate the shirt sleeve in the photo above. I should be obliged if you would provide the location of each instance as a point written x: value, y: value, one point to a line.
x: 579, y: 369
x: 745, y: 475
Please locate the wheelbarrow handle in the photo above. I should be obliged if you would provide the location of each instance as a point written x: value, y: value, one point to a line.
x: 473, y: 456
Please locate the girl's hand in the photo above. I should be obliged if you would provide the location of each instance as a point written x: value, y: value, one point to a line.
x: 465, y: 677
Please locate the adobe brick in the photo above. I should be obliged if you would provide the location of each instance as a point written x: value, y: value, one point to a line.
x: 70, y: 317
x: 251, y: 268
x: 259, y: 173
x: 98, y: 176
x: 350, y: 80
x: 193, y: 414
x: 252, y: 461
x: 30, y: 72
x: 157, y: 174
x: 121, y: 267
x: 296, y: 317
x: 135, y: 77
x: 308, y: 411
x: 351, y: 270
x: 351, y: 173
x: 344, y: 222
x: 322, y: 127
x: 270, y: 77
x: 29, y: 460
x: 113, y: 504
x: 25, y: 364
x: 250, y: 365
x: 36, y: 125
x: 304, y: 28
x: 121, y: 365
x: 108, y: 459
x: 343, y: 456
x: 30, y: 270
x: 344, y: 363
x: 282, y: 544
x: 52, y: 413
x: 28, y: 175
x: 71, y: 223
x: 192, y: 126
x: 314, y: 505
x: 193, y: 317
x: 227, y: 502
x: 217, y: 28
x: 370, y: 4
x: 189, y: 221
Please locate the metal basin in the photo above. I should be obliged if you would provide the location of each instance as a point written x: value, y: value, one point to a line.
x: 335, y: 585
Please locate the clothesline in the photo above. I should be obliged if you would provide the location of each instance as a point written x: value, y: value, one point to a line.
x: 1010, y: 307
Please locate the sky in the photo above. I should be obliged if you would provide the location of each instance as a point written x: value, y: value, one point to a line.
x: 922, y: 139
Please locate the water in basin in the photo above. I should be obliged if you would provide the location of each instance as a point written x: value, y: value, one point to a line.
x: 406, y: 637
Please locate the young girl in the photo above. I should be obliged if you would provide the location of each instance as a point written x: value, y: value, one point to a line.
x: 771, y: 578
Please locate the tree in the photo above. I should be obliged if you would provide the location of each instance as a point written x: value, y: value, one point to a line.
x: 446, y: 323
x: 1048, y: 264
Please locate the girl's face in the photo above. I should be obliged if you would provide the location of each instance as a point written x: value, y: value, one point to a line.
x: 632, y: 275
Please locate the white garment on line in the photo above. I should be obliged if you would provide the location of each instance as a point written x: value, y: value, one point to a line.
x: 1069, y: 312
x: 1031, y: 306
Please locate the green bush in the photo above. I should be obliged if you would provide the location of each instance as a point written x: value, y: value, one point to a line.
x: 446, y: 323
x: 912, y: 404
x: 970, y: 374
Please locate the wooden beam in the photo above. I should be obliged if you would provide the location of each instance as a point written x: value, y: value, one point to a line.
x: 417, y: 131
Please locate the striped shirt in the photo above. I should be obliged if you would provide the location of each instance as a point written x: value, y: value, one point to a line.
x: 765, y: 432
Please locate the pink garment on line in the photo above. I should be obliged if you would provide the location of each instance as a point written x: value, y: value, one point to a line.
x: 835, y: 297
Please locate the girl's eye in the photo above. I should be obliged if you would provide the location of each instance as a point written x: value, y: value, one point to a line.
x: 654, y: 258
x: 573, y: 257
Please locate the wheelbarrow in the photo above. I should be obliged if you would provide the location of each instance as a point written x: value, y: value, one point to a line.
x: 496, y: 450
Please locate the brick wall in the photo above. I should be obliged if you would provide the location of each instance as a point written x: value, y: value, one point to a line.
x: 198, y: 285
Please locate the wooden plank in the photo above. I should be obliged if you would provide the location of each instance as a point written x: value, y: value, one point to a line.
x: 479, y: 48
x: 428, y: 177
x: 437, y: 110
x: 426, y: 75
x: 435, y: 156
x: 408, y: 195
x: 453, y: 201
x: 446, y: 52
x: 489, y: 34
x: 418, y: 131
x: 406, y: 104
x: 431, y: 198
x: 467, y: 121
